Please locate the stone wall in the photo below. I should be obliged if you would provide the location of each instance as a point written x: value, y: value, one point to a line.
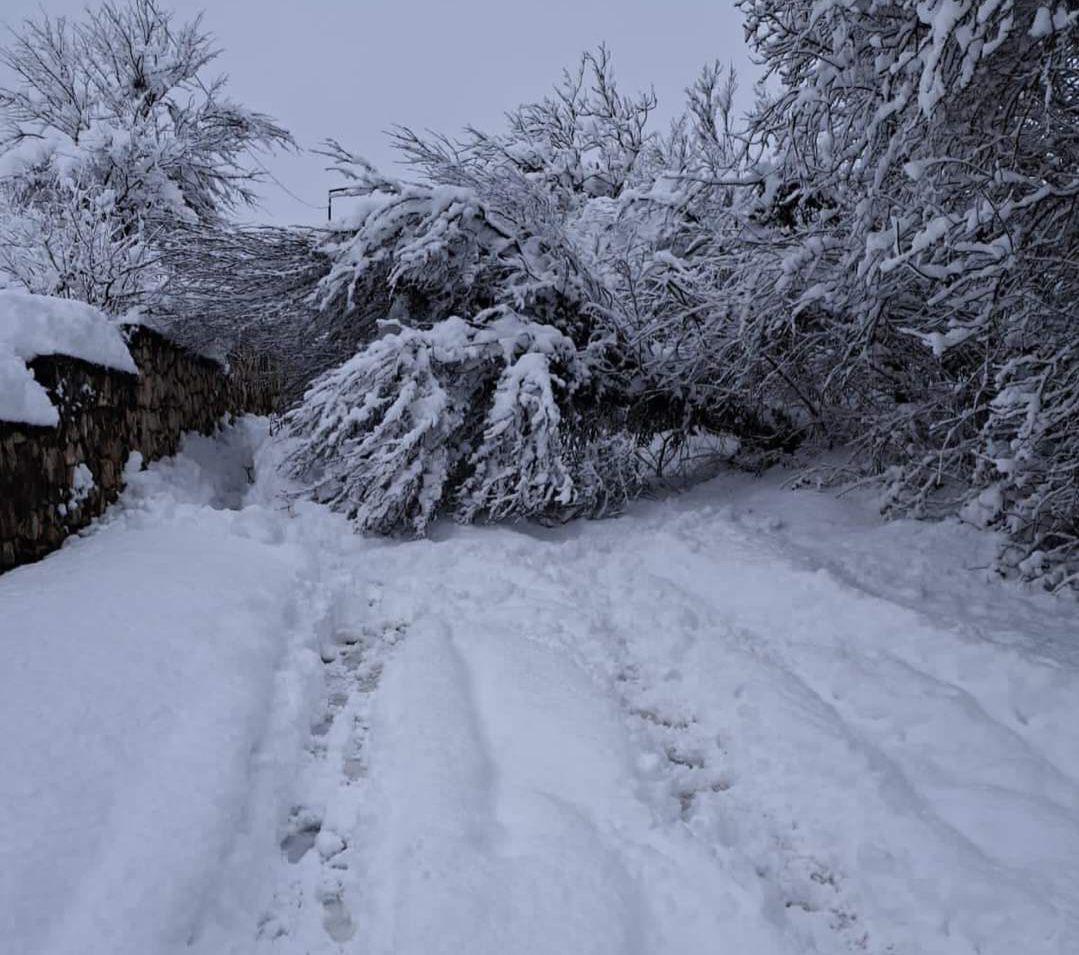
x: 104, y: 416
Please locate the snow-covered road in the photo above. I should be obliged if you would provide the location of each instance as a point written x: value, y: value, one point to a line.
x: 741, y: 721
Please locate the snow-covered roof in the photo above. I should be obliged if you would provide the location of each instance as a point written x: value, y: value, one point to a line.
x: 34, y: 325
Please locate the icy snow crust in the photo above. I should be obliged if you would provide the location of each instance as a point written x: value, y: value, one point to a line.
x: 746, y: 720
x: 33, y: 325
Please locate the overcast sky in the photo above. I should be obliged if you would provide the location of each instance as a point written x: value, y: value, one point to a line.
x: 352, y: 69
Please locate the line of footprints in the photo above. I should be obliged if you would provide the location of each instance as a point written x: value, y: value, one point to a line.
x: 352, y: 669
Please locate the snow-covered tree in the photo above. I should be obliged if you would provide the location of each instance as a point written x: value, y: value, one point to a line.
x: 111, y: 132
x: 592, y: 231
x: 502, y: 387
x: 587, y: 139
x: 883, y: 256
x: 919, y: 281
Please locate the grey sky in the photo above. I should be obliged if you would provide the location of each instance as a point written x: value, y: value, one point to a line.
x: 351, y: 70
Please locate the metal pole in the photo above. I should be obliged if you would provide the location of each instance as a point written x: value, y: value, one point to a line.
x: 339, y: 191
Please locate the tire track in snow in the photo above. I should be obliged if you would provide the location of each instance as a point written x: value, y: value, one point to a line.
x: 696, y: 761
x: 471, y: 860
x: 510, y: 787
x: 763, y: 613
x: 926, y: 637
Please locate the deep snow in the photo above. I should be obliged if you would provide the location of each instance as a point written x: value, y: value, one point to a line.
x: 743, y: 720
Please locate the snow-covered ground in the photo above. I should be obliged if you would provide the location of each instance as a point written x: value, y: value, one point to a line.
x: 741, y: 720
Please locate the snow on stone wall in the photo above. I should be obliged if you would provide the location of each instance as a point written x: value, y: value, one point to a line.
x: 54, y: 479
x: 36, y: 325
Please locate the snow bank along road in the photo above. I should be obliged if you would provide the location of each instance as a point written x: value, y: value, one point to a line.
x: 744, y: 721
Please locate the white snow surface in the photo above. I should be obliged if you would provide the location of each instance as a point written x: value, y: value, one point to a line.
x: 742, y: 720
x: 34, y: 325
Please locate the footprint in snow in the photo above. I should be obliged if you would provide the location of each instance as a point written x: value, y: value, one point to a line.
x: 336, y: 918
x: 304, y: 829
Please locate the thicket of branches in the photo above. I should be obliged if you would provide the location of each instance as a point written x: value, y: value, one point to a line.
x: 882, y: 255
x: 923, y: 291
